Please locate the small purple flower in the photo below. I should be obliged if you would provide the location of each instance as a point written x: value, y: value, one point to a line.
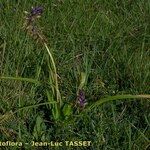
x: 33, y: 15
x: 81, y: 98
x: 37, y: 10
x: 30, y: 23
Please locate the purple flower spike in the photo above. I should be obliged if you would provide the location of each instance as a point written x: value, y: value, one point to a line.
x: 81, y: 98
x: 37, y: 10
x: 30, y: 23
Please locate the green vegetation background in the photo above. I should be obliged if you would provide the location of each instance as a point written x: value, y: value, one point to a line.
x: 108, y: 39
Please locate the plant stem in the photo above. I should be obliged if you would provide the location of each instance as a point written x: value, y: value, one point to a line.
x: 58, y: 96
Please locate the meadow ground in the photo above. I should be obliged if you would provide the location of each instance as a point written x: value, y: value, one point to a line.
x: 107, y: 43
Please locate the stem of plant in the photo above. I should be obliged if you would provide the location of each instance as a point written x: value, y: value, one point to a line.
x: 58, y: 96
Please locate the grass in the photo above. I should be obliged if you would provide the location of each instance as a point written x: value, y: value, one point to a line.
x: 101, y: 47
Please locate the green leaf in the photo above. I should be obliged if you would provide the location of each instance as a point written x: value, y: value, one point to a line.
x: 55, y: 107
x: 82, y: 80
x: 39, y: 128
x: 56, y: 112
x: 32, y: 106
x: 21, y: 79
x: 118, y: 97
x: 67, y: 110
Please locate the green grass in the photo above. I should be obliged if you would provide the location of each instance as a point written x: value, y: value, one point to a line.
x: 100, y: 46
